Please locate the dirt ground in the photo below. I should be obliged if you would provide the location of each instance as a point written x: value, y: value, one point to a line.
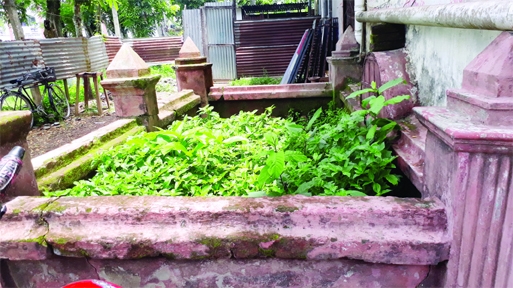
x: 51, y: 136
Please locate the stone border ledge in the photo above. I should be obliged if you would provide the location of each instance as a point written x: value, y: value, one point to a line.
x: 374, y: 229
x: 258, y: 92
x: 49, y: 161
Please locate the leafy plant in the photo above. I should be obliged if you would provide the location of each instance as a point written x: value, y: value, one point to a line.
x: 165, y: 70
x: 264, y: 80
x: 346, y: 153
x: 332, y: 154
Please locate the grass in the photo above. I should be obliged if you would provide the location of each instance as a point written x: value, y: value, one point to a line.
x: 165, y: 70
x: 264, y: 80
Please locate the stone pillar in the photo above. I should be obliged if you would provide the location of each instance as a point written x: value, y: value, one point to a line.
x: 132, y: 87
x: 469, y: 166
x: 193, y: 72
x: 345, y: 67
x: 14, y: 128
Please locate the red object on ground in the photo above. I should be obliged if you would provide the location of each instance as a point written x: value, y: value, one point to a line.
x: 92, y: 283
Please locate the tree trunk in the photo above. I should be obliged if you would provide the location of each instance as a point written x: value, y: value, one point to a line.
x: 53, y: 14
x: 115, y: 19
x: 77, y: 19
x: 14, y: 19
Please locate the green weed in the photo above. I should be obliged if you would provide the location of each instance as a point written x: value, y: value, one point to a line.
x: 331, y: 154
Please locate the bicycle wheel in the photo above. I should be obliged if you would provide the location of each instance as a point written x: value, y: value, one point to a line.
x: 58, y: 101
x: 13, y: 101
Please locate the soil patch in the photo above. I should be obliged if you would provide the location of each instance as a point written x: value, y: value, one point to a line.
x: 51, y: 136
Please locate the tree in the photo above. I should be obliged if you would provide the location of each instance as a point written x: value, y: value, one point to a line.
x: 12, y: 15
x: 141, y: 18
x: 53, y: 15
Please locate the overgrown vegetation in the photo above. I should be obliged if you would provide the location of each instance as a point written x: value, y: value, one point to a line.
x: 264, y: 80
x: 165, y: 70
x: 333, y: 153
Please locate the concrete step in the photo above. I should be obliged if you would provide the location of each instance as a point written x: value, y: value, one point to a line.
x: 410, y: 150
x: 62, y: 156
x: 81, y: 167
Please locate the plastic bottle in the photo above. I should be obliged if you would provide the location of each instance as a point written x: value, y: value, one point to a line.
x: 9, y: 166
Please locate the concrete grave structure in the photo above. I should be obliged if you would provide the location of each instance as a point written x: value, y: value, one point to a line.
x: 132, y: 88
x: 193, y: 72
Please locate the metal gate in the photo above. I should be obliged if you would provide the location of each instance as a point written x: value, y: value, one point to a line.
x: 220, y: 40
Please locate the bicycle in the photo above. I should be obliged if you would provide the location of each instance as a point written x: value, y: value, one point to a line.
x: 17, y: 98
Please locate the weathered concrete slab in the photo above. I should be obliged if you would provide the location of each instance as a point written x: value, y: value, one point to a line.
x: 161, y: 272
x: 257, y: 92
x: 378, y: 230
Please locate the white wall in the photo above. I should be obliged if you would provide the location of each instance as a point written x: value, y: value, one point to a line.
x: 437, y: 56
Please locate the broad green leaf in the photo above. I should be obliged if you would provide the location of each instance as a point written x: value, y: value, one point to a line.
x: 380, y: 122
x: 314, y: 118
x: 365, y: 102
x: 373, y: 85
x: 360, y: 92
x: 376, y: 105
x: 271, y: 139
x: 355, y: 193
x: 391, y: 84
x: 174, y: 146
x: 257, y: 194
x: 235, y: 139
x: 305, y: 187
x: 376, y: 187
x: 294, y: 128
x: 397, y: 99
x: 371, y: 132
x: 393, y: 179
x: 264, y: 176
x: 276, y: 164
x: 295, y: 156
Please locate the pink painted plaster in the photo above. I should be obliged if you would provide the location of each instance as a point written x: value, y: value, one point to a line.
x: 490, y: 73
x: 410, y: 150
x: 468, y: 165
x: 374, y: 229
x: 196, y: 77
x: 392, y: 65
x: 133, y: 96
x: 127, y: 63
x: 161, y: 272
x: 257, y: 92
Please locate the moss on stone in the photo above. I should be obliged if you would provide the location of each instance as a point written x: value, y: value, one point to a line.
x: 61, y: 241
x: 16, y: 211
x: 77, y: 169
x: 266, y: 252
x: 55, y: 207
x: 284, y: 209
x: 211, y: 242
x: 40, y: 240
x: 90, y: 149
x: 88, y: 210
x: 170, y: 256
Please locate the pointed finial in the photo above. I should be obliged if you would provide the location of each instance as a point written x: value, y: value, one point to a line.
x: 127, y: 63
x: 189, y: 49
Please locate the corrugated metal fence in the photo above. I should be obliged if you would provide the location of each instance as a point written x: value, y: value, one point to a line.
x: 157, y: 49
x: 221, y: 48
x: 18, y: 57
x: 67, y: 55
x: 112, y: 44
x: 266, y: 46
x: 193, y: 27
